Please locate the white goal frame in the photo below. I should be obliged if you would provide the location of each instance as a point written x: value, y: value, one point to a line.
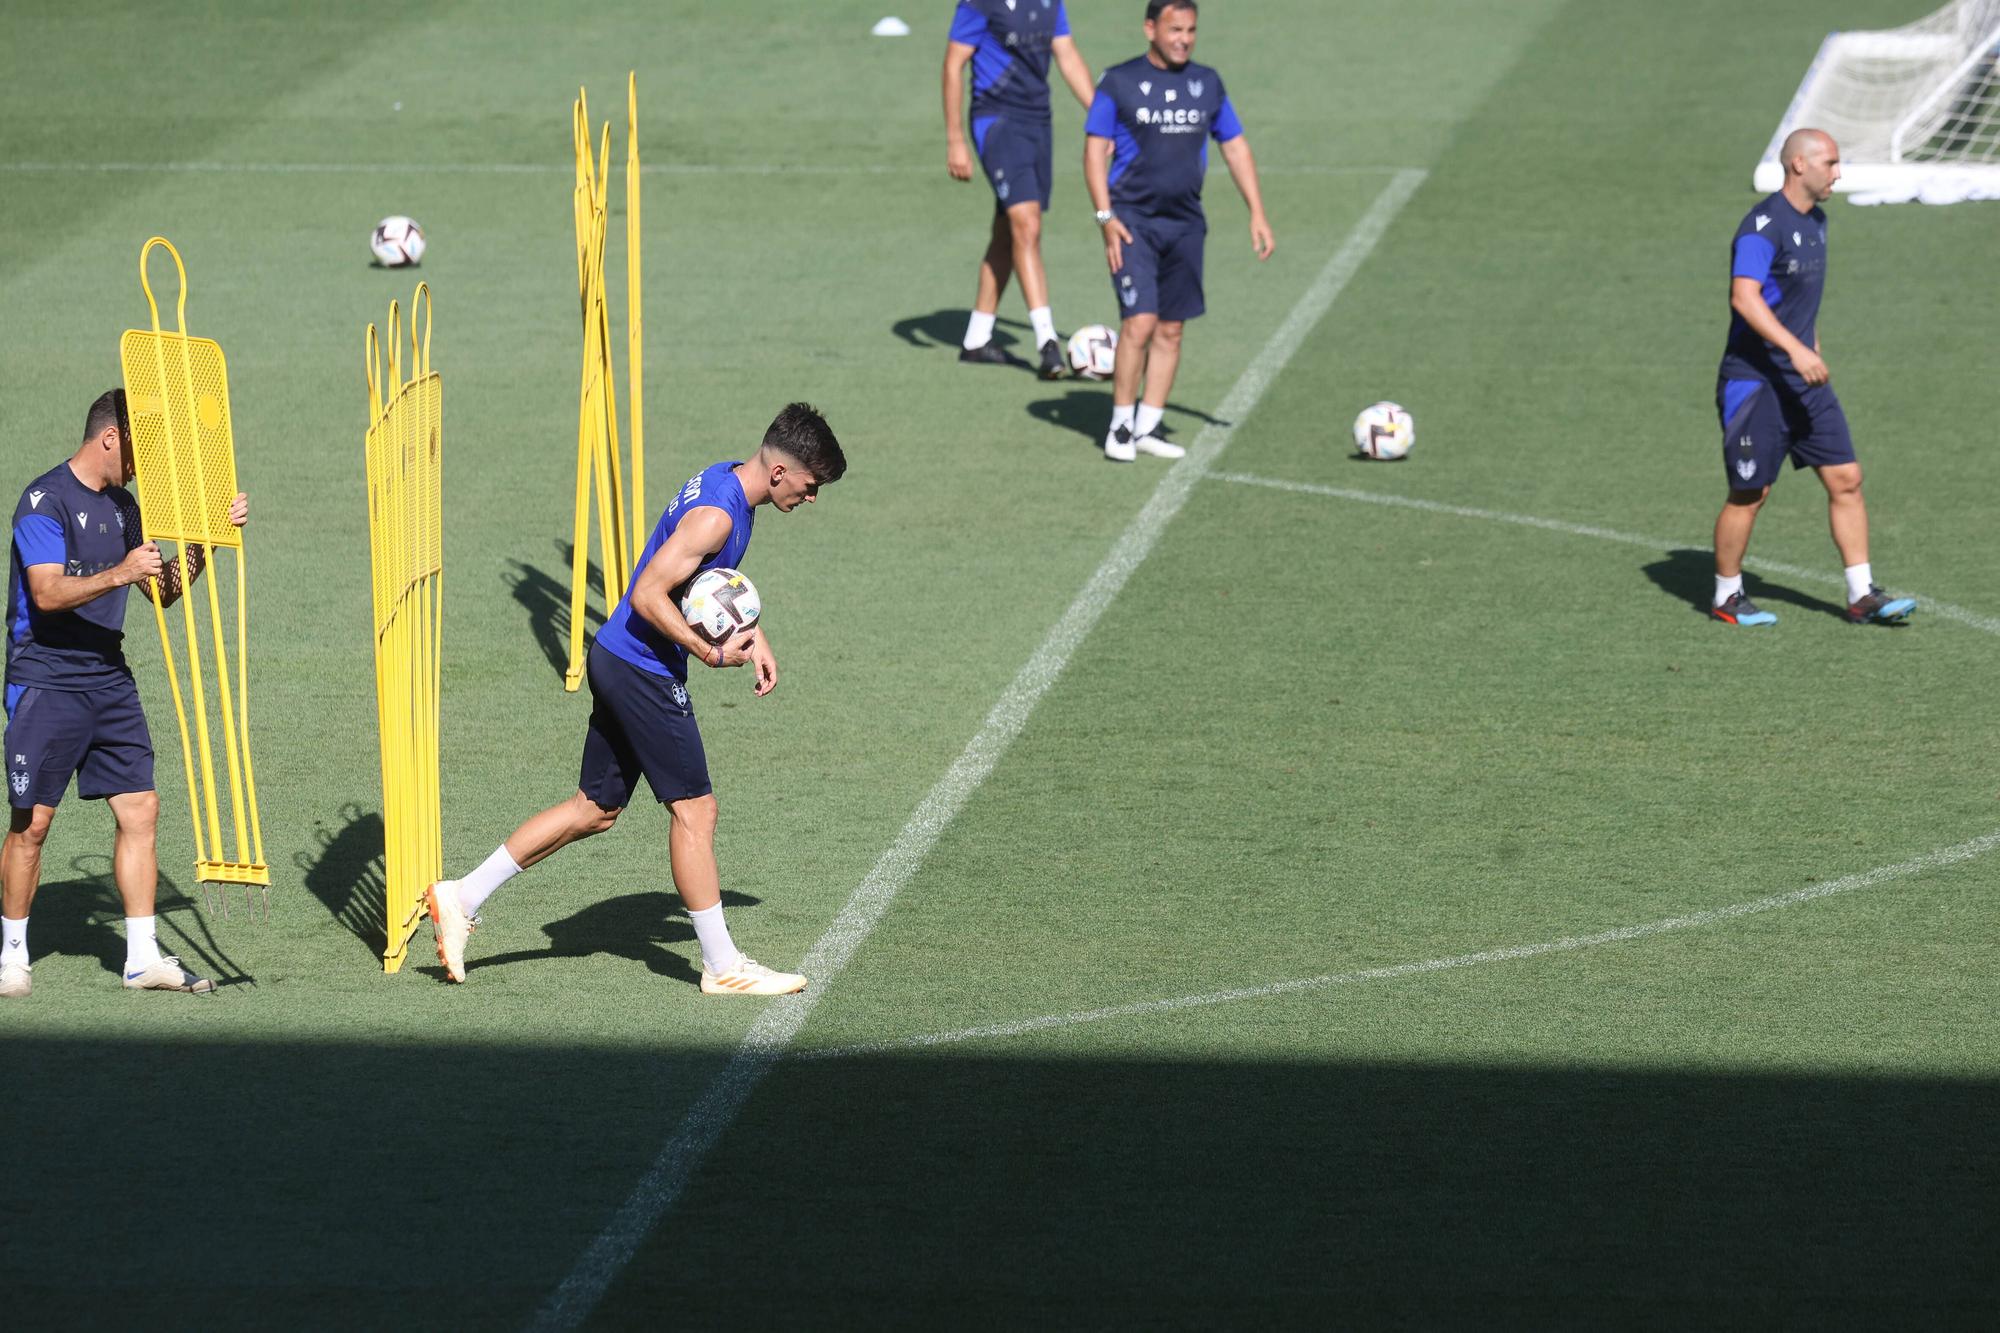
x: 1886, y: 97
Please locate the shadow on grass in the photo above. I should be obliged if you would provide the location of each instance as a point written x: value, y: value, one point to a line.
x: 996, y: 1192
x: 545, y: 597
x: 946, y: 328
x: 637, y: 926
x: 1087, y: 411
x: 84, y: 917
x: 345, y: 873
x: 1690, y: 576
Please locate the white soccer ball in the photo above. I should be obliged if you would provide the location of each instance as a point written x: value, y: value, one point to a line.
x: 1385, y: 431
x: 1093, y: 351
x: 397, y: 241
x: 721, y: 604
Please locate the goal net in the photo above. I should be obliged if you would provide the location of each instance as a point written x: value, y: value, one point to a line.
x: 1903, y: 103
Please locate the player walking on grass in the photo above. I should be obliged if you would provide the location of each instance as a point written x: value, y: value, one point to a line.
x: 1144, y: 157
x: 72, y: 708
x: 1008, y: 44
x: 1774, y: 394
x: 641, y: 721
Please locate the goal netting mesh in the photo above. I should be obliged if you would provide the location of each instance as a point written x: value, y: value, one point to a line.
x: 1904, y: 103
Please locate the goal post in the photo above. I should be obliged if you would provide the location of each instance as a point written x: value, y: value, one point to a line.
x: 1905, y: 103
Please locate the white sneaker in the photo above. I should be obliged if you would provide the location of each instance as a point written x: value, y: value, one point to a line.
x: 1118, y: 446
x: 1157, y: 447
x: 15, y: 982
x: 749, y: 977
x: 451, y: 925
x: 167, y: 974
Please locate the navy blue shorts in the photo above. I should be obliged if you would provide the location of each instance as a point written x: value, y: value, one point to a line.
x: 1161, y: 269
x: 1019, y: 160
x: 640, y: 724
x: 1763, y: 422
x: 98, y: 737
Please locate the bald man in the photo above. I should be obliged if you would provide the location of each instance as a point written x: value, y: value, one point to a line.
x: 1774, y: 394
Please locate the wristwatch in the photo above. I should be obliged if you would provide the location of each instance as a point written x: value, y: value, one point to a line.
x: 1103, y: 215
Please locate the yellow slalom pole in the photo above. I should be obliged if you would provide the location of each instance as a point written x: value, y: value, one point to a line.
x: 634, y: 323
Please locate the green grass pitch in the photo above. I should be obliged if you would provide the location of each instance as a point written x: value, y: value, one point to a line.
x: 1312, y: 737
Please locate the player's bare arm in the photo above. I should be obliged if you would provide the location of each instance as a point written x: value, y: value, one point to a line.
x: 55, y: 589
x: 1097, y: 179
x: 1074, y: 71
x: 957, y: 155
x: 1746, y: 298
x: 765, y: 661
x: 1242, y: 166
x: 700, y: 535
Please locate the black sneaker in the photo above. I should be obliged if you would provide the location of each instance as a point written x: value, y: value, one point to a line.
x: 987, y: 355
x: 1740, y: 610
x: 1880, y: 607
x: 1053, y: 365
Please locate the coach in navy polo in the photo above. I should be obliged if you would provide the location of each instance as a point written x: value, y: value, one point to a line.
x: 1144, y: 160
x: 72, y: 708
x: 1774, y: 393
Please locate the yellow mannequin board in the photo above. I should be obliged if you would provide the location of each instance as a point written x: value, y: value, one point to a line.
x: 184, y: 459
x: 599, y: 466
x: 404, y: 448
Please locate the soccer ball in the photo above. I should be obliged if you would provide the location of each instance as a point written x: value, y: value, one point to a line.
x: 397, y: 241
x: 1093, y: 351
x: 1384, y: 431
x: 721, y: 604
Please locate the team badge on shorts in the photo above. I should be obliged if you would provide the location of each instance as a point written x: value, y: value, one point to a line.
x: 680, y: 695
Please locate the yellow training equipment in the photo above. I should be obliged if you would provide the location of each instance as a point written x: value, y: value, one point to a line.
x: 599, y: 467
x: 184, y: 458
x: 406, y: 548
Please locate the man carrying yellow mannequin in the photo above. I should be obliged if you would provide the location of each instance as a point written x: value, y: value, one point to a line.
x: 72, y: 707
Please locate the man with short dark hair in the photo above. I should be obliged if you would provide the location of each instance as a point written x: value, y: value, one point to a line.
x: 1009, y: 44
x: 641, y: 722
x: 1144, y: 158
x: 72, y: 708
x: 1773, y: 392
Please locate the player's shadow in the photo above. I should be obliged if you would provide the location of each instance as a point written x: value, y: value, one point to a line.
x: 1087, y: 411
x: 1690, y: 576
x: 946, y: 328
x: 635, y: 926
x: 546, y: 600
x: 345, y: 872
x: 83, y: 917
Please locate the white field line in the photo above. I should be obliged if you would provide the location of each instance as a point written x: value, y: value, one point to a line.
x: 1916, y: 865
x: 768, y: 1038
x: 1989, y: 624
x: 552, y: 169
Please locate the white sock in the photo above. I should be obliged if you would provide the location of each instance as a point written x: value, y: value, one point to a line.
x: 142, y: 948
x: 1727, y: 587
x: 13, y: 941
x: 978, y: 330
x: 477, y: 887
x: 1044, y: 321
x: 718, y: 952
x: 1121, y: 415
x: 1860, y: 578
x: 1147, y: 419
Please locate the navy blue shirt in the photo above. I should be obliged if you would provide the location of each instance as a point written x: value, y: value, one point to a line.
x: 633, y: 637
x: 1011, y: 42
x: 61, y: 521
x: 1159, y: 122
x: 1785, y: 251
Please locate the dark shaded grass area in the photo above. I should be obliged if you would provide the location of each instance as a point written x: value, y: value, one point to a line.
x: 1091, y: 1194
x: 993, y: 1192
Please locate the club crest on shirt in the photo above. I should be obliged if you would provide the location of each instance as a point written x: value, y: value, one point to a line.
x: 1194, y: 87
